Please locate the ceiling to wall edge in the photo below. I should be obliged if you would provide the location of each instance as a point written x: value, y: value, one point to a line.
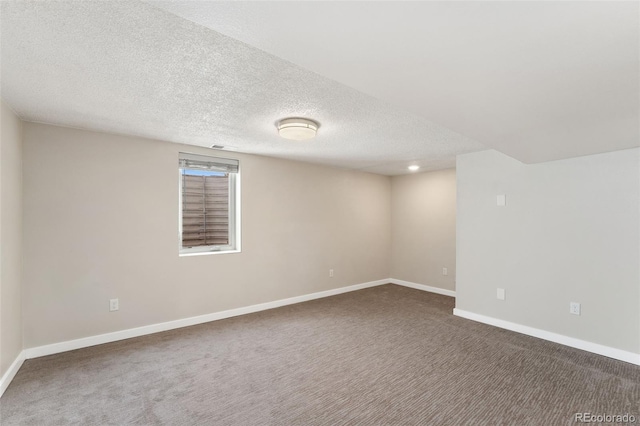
x: 213, y: 152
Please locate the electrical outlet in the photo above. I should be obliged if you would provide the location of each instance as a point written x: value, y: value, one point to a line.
x: 114, y: 305
x: 501, y: 200
x: 574, y: 308
x: 330, y: 273
x: 501, y: 294
x: 445, y: 271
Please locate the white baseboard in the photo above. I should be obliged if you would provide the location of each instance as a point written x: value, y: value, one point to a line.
x: 423, y: 287
x: 171, y: 325
x: 185, y: 322
x: 595, y: 348
x: 11, y: 372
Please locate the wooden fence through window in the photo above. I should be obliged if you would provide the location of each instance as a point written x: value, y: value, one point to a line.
x: 205, y: 210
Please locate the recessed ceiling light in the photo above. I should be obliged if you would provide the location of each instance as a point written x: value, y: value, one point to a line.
x: 413, y: 167
x: 297, y: 129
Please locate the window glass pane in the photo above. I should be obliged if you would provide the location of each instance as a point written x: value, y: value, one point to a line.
x: 205, y: 208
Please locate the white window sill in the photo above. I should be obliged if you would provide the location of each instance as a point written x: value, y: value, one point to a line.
x: 203, y: 253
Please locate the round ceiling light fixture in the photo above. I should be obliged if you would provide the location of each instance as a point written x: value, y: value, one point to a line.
x: 297, y: 129
x: 413, y: 167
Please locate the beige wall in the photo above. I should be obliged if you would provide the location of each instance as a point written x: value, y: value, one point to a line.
x: 569, y: 233
x: 423, y: 228
x: 101, y: 222
x: 10, y: 238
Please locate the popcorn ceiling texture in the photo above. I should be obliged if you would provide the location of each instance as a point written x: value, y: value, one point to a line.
x: 537, y: 81
x: 130, y: 68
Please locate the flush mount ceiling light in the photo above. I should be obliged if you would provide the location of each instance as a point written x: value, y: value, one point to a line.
x: 297, y: 129
x: 413, y: 168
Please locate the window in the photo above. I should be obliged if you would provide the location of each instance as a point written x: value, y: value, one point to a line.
x: 209, y: 214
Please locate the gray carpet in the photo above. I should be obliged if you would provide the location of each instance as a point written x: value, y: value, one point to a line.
x: 383, y: 356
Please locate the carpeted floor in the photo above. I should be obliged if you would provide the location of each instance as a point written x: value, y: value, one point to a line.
x: 387, y: 355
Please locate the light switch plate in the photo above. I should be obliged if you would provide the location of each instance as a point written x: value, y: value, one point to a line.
x: 501, y: 294
x: 501, y: 200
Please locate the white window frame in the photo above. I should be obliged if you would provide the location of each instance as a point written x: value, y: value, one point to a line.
x: 234, y: 245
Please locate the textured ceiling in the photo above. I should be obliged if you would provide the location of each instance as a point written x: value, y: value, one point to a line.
x: 535, y: 80
x: 538, y: 80
x: 131, y: 68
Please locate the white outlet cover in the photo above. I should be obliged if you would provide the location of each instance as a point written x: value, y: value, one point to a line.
x: 574, y: 308
x: 501, y: 200
x: 445, y: 271
x: 501, y: 294
x: 114, y: 305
